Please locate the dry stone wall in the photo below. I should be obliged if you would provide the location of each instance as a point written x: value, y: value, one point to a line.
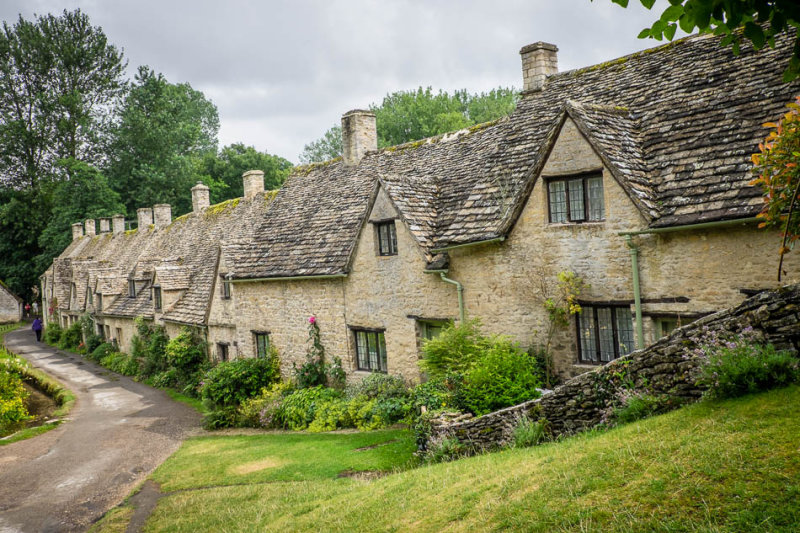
x: 668, y: 367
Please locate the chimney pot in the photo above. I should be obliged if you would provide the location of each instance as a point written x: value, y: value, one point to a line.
x: 539, y: 60
x: 77, y: 231
x: 162, y: 215
x: 118, y: 223
x: 105, y: 225
x: 144, y: 217
x: 253, y: 183
x: 200, y: 197
x: 359, y: 135
x: 91, y: 229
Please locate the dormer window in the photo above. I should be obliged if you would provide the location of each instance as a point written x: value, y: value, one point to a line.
x: 226, y: 289
x: 387, y: 238
x: 157, y: 298
x: 131, y: 288
x: 576, y: 199
x: 99, y: 302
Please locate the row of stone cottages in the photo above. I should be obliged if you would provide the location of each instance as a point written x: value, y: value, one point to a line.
x: 633, y: 174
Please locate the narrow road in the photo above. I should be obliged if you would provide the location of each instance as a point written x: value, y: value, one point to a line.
x: 118, y: 432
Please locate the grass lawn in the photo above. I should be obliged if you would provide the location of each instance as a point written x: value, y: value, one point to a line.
x: 714, y: 466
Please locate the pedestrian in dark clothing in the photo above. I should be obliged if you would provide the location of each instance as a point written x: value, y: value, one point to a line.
x: 37, y: 328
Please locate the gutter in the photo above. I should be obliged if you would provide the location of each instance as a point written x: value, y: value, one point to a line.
x: 634, y: 249
x: 462, y: 314
x: 288, y: 278
x: 476, y: 243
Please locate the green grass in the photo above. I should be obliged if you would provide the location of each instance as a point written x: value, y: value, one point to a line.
x: 713, y: 466
x: 194, y: 403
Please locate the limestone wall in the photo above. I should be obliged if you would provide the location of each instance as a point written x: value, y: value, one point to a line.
x: 668, y: 367
x: 10, y: 307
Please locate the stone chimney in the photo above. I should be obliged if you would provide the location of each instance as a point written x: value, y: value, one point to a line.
x: 359, y: 135
x: 105, y: 225
x: 539, y: 60
x: 200, y: 197
x: 91, y: 229
x: 77, y: 231
x: 118, y: 223
x: 144, y: 217
x: 253, y: 182
x: 162, y: 215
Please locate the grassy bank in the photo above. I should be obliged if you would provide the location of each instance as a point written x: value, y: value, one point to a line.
x: 713, y: 466
x: 62, y: 396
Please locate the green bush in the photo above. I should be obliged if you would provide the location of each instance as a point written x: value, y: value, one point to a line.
x: 164, y: 380
x: 636, y: 405
x: 100, y: 352
x: 502, y: 377
x: 186, y: 355
x: 529, y: 432
x: 52, y: 333
x: 220, y: 418
x: 456, y: 349
x: 264, y: 410
x: 93, y: 340
x: 315, y: 371
x: 298, y: 408
x: 447, y: 449
x: 71, y: 337
x: 230, y: 383
x: 149, y: 346
x: 738, y: 367
x: 121, y: 363
x: 331, y: 414
x: 12, y: 399
x: 433, y: 394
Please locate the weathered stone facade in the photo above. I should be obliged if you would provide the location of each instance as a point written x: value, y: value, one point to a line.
x: 668, y: 367
x: 11, y: 306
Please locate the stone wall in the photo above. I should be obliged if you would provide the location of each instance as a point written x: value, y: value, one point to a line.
x: 10, y: 307
x: 668, y: 367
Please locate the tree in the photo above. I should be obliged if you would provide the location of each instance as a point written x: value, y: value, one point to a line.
x: 224, y: 170
x: 778, y: 170
x: 760, y: 22
x: 158, y: 144
x: 405, y: 116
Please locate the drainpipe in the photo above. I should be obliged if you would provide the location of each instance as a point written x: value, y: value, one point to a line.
x: 459, y: 287
x: 637, y: 295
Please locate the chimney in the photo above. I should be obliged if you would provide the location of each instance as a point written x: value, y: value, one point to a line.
x: 200, y: 197
x: 105, y: 225
x: 77, y: 231
x: 359, y: 135
x: 91, y: 229
x: 144, y: 216
x: 118, y: 223
x: 253, y: 182
x: 539, y: 60
x: 162, y: 215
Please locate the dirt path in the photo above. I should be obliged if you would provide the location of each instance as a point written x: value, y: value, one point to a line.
x: 119, y: 431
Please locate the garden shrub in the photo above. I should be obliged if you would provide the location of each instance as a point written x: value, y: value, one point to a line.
x: 220, y: 418
x: 739, y: 366
x: 12, y: 399
x: 433, y: 394
x: 456, y: 349
x: 186, y: 355
x: 446, y: 449
x: 121, y: 363
x: 315, y: 371
x: 71, y: 337
x: 529, y: 432
x: 100, y: 352
x: 164, y: 380
x: 636, y: 405
x: 264, y: 409
x: 52, y: 333
x: 331, y: 414
x: 230, y: 383
x: 298, y: 408
x: 149, y: 345
x: 93, y: 340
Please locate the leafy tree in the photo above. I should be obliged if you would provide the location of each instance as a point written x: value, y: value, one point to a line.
x: 778, y: 170
x: 759, y: 20
x: 164, y: 131
x: 224, y: 170
x: 405, y: 116
x: 86, y: 194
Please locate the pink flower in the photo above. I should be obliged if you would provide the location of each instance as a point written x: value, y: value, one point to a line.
x: 312, y: 319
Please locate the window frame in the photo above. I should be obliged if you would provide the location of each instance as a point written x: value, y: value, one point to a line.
x: 382, y: 359
x: 226, y: 288
x: 391, y: 237
x: 585, y: 198
x: 594, y: 307
x: 256, y: 336
x: 424, y: 324
x: 131, y: 288
x: 158, y: 302
x: 223, y: 351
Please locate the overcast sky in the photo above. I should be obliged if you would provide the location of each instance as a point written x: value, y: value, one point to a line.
x: 283, y: 72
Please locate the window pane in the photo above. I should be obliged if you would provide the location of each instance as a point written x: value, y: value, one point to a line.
x: 588, y: 335
x: 373, y: 351
x: 606, y: 332
x: 576, y: 211
x: 382, y: 351
x: 361, y: 350
x: 624, y: 330
x: 558, y: 201
x: 596, y: 206
x: 392, y: 238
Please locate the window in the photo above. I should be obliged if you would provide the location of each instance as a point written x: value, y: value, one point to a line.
x: 222, y: 351
x: 119, y: 337
x: 108, y: 332
x: 387, y: 238
x: 89, y: 296
x: 101, y: 331
x: 226, y: 289
x: 157, y: 298
x: 604, y: 333
x: 429, y: 329
x: 99, y: 302
x: 577, y: 199
x: 131, y: 288
x: 262, y: 344
x: 370, y: 350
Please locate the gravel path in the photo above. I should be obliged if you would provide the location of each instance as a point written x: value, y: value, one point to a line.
x: 118, y: 432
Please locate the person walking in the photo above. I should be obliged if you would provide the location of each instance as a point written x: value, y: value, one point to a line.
x: 37, y: 328
x: 36, y: 308
x: 27, y: 310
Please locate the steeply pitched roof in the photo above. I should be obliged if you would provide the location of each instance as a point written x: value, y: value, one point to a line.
x: 675, y: 125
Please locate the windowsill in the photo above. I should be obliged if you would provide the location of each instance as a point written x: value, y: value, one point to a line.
x: 365, y: 373
x: 592, y: 224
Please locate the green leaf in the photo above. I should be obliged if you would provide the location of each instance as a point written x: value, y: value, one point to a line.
x: 669, y: 31
x: 623, y: 3
x: 754, y: 32
x: 644, y: 34
x: 686, y: 23
x: 648, y: 3
x: 672, y: 13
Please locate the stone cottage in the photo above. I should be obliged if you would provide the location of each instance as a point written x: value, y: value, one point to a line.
x: 633, y: 174
x: 11, y: 305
